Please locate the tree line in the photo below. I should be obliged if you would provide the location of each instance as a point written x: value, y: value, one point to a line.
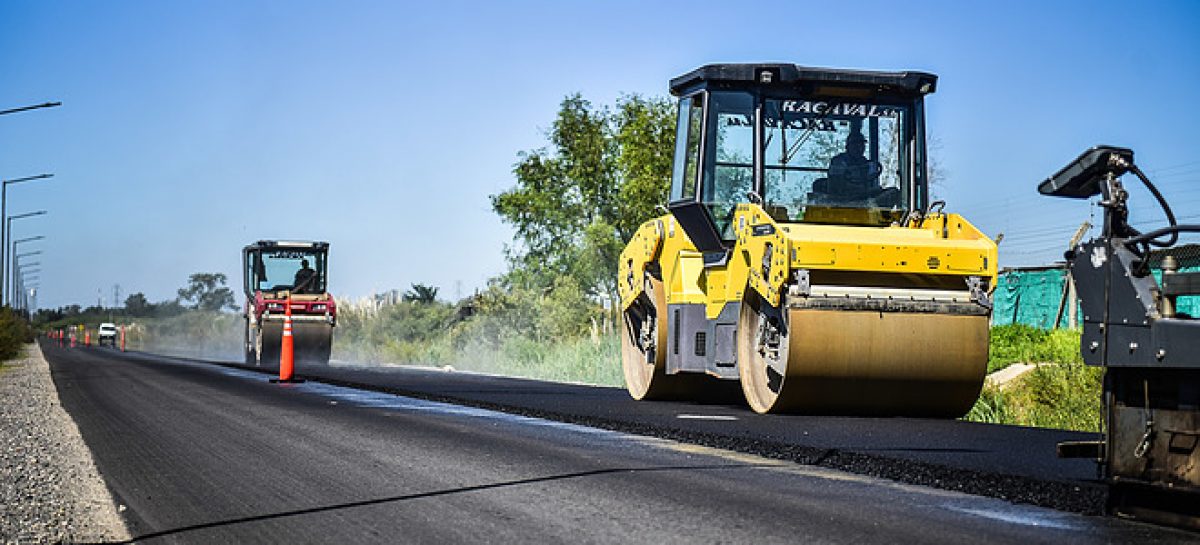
x: 576, y: 201
x: 203, y: 291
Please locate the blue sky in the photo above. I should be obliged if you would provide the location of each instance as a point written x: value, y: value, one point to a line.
x: 192, y: 128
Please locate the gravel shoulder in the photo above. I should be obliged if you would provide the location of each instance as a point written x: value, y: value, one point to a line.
x: 50, y: 490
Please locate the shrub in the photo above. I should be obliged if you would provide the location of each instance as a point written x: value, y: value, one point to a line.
x: 14, y: 332
x: 1063, y: 395
x: 1019, y: 343
x: 196, y: 333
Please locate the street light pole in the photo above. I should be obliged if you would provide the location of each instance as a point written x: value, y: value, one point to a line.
x: 25, y: 275
x: 31, y: 298
x: 29, y: 270
x: 3, y: 212
x: 24, y: 301
x: 14, y: 252
x: 28, y: 294
x: 4, y: 194
x: 19, y: 288
x: 20, y: 273
x: 8, y: 233
x: 17, y: 279
x: 34, y: 107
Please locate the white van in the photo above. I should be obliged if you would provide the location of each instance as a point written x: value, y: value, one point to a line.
x: 108, y: 334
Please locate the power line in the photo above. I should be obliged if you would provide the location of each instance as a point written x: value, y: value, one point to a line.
x: 1175, y: 166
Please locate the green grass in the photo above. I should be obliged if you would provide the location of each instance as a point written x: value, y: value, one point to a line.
x: 1063, y: 396
x: 509, y: 340
x: 1020, y: 343
x: 580, y: 360
x: 586, y: 360
x: 1064, y: 393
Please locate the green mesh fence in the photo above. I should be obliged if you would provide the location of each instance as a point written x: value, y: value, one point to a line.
x: 1033, y: 296
x: 1029, y: 296
x: 1188, y: 256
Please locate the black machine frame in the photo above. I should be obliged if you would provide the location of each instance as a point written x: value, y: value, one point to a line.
x: 1151, y: 353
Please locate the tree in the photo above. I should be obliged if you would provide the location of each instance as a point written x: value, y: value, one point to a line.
x: 421, y: 294
x: 46, y: 315
x: 646, y: 141
x: 579, y: 200
x: 207, y: 291
x: 168, y: 308
x: 137, y: 305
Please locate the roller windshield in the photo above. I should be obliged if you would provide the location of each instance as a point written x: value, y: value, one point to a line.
x: 822, y: 155
x: 812, y: 159
x: 298, y: 270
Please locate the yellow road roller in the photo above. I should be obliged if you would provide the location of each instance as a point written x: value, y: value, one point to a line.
x: 801, y: 254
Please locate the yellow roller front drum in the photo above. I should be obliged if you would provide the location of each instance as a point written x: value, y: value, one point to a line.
x: 862, y: 362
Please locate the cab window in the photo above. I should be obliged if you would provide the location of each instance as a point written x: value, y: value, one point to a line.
x: 690, y: 125
x: 729, y: 158
x: 823, y: 154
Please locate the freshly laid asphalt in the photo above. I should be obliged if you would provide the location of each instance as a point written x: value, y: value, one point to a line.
x: 202, y: 453
x: 1008, y: 462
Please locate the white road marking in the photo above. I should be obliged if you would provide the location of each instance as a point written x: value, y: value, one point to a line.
x: 382, y: 400
x: 723, y: 417
x: 1025, y: 516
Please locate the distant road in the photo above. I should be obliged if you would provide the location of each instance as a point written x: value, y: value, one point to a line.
x: 201, y: 453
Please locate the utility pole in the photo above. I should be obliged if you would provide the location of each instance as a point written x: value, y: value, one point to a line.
x: 116, y: 301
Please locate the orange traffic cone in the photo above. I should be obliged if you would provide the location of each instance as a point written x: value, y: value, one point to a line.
x: 87, y: 338
x: 122, y: 338
x: 287, y: 352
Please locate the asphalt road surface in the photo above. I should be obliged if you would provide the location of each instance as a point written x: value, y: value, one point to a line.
x: 200, y: 453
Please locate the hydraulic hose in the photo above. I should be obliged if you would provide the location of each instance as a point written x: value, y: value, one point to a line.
x: 1151, y: 237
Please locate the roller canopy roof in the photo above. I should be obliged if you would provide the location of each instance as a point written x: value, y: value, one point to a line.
x: 299, y: 244
x: 793, y: 74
